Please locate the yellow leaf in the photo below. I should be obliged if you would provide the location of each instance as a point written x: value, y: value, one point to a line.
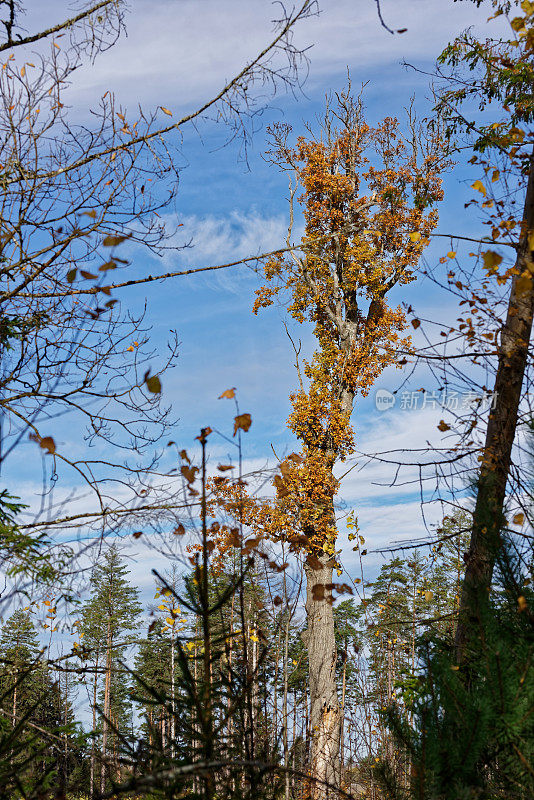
x: 479, y: 187
x: 166, y: 111
x: 153, y: 383
x: 429, y: 595
x: 415, y: 236
x: 451, y: 254
x: 130, y: 349
x: 491, y: 260
x: 531, y: 240
x: 169, y: 621
x: 522, y: 603
x: 518, y: 519
x: 518, y: 24
x: 229, y: 394
x: 23, y: 72
x: 524, y: 283
x: 495, y: 175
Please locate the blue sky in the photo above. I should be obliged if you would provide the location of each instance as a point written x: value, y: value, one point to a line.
x: 176, y: 54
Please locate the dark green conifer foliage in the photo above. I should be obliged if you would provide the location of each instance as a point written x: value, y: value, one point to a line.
x: 32, y: 729
x: 471, y: 735
x: 107, y: 624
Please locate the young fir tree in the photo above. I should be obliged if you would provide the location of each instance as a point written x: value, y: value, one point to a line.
x: 31, y: 728
x: 152, y: 684
x: 470, y: 733
x: 107, y: 623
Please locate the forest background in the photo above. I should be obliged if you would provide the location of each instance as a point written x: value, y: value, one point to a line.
x: 231, y: 204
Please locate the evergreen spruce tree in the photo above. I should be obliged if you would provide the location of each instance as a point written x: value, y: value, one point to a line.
x: 471, y: 731
x: 31, y: 728
x: 108, y: 621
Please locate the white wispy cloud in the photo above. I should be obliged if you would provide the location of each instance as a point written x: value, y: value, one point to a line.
x: 179, y: 53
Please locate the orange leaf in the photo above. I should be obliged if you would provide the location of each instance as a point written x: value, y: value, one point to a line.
x: 281, y: 488
x: 243, y: 422
x: 318, y: 591
x: 189, y: 473
x: 443, y: 426
x: 48, y: 444
x: 229, y: 394
x: 166, y: 111
x: 112, y: 241
x: 179, y: 530
x: 518, y: 519
x: 314, y: 562
x: 296, y: 458
x: 479, y: 187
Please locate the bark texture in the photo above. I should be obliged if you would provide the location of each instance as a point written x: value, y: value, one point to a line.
x: 488, y: 515
x: 325, y: 717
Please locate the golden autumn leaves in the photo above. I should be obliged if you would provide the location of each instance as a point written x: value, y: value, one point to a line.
x: 368, y: 202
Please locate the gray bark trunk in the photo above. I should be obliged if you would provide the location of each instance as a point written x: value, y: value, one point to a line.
x: 324, y: 704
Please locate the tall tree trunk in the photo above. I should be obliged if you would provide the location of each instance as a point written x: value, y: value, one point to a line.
x: 284, y: 706
x: 324, y: 704
x: 14, y: 714
x: 105, y: 716
x: 342, y: 722
x: 502, y: 424
x: 92, y: 787
x: 173, y: 709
